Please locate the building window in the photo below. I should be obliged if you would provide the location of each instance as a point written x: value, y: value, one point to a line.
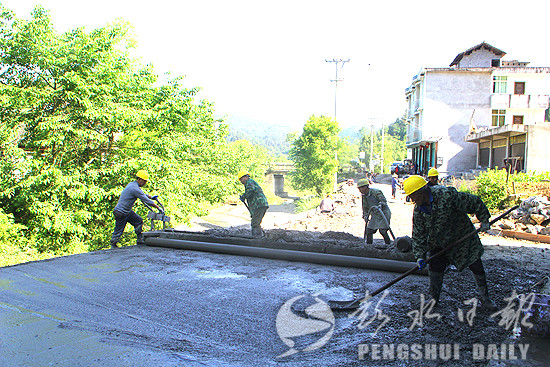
x: 499, y: 84
x: 498, y: 117
x: 495, y: 63
x: 519, y: 88
x: 518, y: 120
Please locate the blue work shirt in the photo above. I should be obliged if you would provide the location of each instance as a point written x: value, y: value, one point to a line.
x: 128, y: 197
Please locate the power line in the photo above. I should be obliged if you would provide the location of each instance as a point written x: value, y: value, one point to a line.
x: 336, y: 80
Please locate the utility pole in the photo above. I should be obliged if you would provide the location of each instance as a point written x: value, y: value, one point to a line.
x: 336, y: 80
x: 371, y: 162
x: 382, y: 154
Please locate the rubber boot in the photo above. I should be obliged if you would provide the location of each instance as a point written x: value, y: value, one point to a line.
x: 140, y: 239
x: 483, y: 290
x: 436, y: 283
x: 386, y: 237
x: 257, y: 232
x: 369, y: 238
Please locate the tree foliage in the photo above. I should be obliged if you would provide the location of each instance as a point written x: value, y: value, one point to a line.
x: 313, y: 154
x: 394, y: 144
x: 347, y: 152
x: 79, y: 117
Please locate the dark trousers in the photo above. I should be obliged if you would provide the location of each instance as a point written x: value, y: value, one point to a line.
x: 383, y: 232
x: 257, y: 216
x: 120, y: 224
x: 439, y: 264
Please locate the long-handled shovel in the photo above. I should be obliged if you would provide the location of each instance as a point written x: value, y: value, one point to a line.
x: 385, y: 220
x: 355, y: 303
x: 245, y: 204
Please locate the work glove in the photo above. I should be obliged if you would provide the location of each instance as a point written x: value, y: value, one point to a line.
x: 421, y: 263
x: 485, y: 226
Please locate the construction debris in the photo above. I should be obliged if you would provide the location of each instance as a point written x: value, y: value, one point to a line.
x: 533, y: 216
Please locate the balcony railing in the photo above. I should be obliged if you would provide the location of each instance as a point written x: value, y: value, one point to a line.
x: 505, y: 101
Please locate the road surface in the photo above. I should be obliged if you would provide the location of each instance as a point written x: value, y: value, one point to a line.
x: 162, y: 307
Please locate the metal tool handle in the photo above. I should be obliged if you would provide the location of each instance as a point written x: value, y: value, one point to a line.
x: 245, y: 204
x: 465, y: 237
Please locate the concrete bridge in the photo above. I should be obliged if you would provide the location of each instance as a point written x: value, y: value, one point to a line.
x: 275, y: 178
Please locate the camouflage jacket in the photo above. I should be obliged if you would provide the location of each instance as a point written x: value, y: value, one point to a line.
x: 254, y: 196
x: 448, y: 222
x: 373, y: 198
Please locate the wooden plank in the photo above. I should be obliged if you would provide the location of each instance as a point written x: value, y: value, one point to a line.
x: 526, y: 236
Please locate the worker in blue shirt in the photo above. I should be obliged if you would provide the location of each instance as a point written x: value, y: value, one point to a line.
x: 123, y: 210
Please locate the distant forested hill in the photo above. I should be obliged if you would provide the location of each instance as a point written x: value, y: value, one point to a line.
x: 352, y: 134
x: 273, y: 137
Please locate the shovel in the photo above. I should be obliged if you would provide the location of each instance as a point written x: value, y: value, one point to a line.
x: 356, y: 303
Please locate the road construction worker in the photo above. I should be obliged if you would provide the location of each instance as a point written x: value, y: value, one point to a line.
x: 123, y: 210
x: 394, y: 185
x: 372, y: 198
x: 440, y: 218
x: 257, y: 202
x: 433, y: 177
x: 327, y: 204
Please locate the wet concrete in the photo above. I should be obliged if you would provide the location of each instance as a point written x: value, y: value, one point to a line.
x: 154, y: 306
x: 330, y: 242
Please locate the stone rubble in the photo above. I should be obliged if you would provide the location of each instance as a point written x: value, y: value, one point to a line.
x: 532, y: 216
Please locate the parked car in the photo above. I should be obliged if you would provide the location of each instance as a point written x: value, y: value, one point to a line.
x: 398, y: 167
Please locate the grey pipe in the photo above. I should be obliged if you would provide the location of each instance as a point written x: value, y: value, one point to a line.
x: 288, y: 255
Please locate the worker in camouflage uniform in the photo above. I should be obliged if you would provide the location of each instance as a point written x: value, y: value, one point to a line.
x: 433, y: 177
x: 372, y: 198
x: 257, y: 202
x: 440, y: 217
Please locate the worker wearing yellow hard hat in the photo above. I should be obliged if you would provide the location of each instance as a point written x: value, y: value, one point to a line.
x: 241, y: 174
x: 376, y: 212
x: 440, y: 218
x: 257, y: 202
x: 413, y: 183
x: 123, y: 210
x: 433, y: 177
x: 143, y: 175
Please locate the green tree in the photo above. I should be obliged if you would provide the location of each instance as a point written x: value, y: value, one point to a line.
x: 394, y: 144
x: 79, y: 117
x: 347, y: 152
x: 313, y: 154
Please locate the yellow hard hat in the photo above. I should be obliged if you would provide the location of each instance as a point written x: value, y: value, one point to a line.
x: 413, y: 183
x: 143, y: 175
x: 362, y: 182
x: 433, y: 172
x: 242, y: 173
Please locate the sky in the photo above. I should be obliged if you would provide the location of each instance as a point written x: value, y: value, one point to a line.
x: 266, y: 60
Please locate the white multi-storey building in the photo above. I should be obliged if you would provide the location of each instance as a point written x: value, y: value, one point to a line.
x: 478, y: 112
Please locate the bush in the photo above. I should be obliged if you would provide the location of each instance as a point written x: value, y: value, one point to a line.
x: 14, y: 248
x: 308, y: 203
x: 495, y: 192
x: 492, y: 189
